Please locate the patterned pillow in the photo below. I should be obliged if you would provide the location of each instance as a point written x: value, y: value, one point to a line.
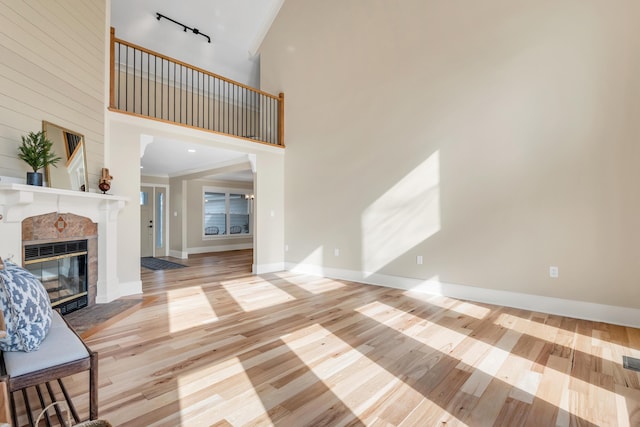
x: 26, y: 308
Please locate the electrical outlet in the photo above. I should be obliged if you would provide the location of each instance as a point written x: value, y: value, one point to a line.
x: 553, y: 272
x: 419, y: 260
x: 336, y: 252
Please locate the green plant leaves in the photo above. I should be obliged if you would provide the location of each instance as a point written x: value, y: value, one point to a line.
x: 36, y: 151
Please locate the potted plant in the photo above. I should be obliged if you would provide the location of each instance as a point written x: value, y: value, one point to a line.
x: 36, y: 152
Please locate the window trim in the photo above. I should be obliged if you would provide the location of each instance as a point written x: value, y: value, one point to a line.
x: 227, y: 192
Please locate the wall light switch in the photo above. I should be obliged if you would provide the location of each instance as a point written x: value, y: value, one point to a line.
x: 336, y: 252
x: 553, y: 272
x: 419, y: 260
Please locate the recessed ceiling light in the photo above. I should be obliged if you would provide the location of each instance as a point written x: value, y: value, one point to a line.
x: 141, y: 167
x: 191, y: 150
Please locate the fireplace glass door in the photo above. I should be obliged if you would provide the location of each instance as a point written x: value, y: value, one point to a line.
x: 65, y: 278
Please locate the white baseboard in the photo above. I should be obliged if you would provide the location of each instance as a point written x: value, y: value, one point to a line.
x: 178, y: 254
x: 219, y: 248
x: 267, y: 268
x: 624, y: 316
x: 130, y: 288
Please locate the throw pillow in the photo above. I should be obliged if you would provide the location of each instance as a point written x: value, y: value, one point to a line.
x: 26, y: 308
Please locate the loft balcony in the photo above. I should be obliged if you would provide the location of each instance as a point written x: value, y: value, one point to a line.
x: 151, y: 85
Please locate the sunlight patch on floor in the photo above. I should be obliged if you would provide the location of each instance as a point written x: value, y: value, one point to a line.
x: 243, y: 406
x: 304, y: 336
x: 185, y: 304
x: 330, y: 372
x: 315, y: 286
x: 432, y: 291
x: 259, y: 295
x: 492, y: 362
x: 549, y: 333
x: 194, y: 412
x: 406, y: 324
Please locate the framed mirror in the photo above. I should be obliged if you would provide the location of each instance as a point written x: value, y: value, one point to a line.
x: 71, y: 171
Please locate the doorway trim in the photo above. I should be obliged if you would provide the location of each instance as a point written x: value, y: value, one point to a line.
x: 167, y: 217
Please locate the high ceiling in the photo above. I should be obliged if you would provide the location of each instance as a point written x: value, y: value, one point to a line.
x: 236, y: 28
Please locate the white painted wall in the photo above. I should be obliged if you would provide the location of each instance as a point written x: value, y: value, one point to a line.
x: 493, y: 138
x: 125, y: 147
x: 269, y: 178
x: 269, y: 212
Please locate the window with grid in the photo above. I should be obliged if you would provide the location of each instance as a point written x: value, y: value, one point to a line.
x: 226, y: 213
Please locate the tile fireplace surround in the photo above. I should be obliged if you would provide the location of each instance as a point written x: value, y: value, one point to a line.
x: 19, y: 202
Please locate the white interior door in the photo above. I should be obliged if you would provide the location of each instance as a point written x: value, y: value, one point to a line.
x: 146, y: 221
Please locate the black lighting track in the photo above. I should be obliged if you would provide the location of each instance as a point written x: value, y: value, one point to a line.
x: 184, y: 27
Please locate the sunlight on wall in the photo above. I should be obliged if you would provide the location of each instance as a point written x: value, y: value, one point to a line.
x: 185, y: 304
x: 404, y: 216
x: 313, y: 264
x: 314, y: 258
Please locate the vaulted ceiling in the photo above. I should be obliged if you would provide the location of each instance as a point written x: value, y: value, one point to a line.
x: 236, y: 29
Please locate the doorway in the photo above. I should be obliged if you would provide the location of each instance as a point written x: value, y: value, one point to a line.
x: 153, y: 221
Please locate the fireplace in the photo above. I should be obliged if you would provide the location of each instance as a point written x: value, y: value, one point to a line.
x: 60, y: 249
x: 31, y: 215
x: 62, y: 269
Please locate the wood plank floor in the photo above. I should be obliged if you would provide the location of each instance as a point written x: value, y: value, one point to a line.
x: 213, y: 345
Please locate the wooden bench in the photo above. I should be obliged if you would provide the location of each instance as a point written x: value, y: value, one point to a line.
x: 61, y: 354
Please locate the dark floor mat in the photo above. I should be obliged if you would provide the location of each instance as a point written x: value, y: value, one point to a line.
x: 158, y: 264
x: 631, y: 363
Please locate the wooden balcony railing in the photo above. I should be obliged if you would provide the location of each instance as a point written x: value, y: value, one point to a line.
x: 149, y: 84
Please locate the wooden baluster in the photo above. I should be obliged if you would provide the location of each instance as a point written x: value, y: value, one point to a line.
x: 112, y: 73
x: 281, y: 119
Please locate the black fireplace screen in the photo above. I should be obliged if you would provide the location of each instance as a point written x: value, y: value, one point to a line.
x: 62, y: 269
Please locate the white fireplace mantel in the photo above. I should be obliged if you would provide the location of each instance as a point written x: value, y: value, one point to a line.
x: 18, y: 201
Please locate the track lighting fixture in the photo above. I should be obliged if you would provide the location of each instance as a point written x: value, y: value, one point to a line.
x: 184, y: 27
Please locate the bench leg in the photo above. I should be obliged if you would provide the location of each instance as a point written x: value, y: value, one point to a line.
x: 93, y: 386
x: 14, y: 415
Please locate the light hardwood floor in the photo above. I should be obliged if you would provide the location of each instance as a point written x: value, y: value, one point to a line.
x: 214, y: 345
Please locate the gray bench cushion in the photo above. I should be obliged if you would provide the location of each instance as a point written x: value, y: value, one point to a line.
x: 60, y: 346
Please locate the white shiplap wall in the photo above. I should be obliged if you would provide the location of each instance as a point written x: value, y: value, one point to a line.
x: 52, y: 68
